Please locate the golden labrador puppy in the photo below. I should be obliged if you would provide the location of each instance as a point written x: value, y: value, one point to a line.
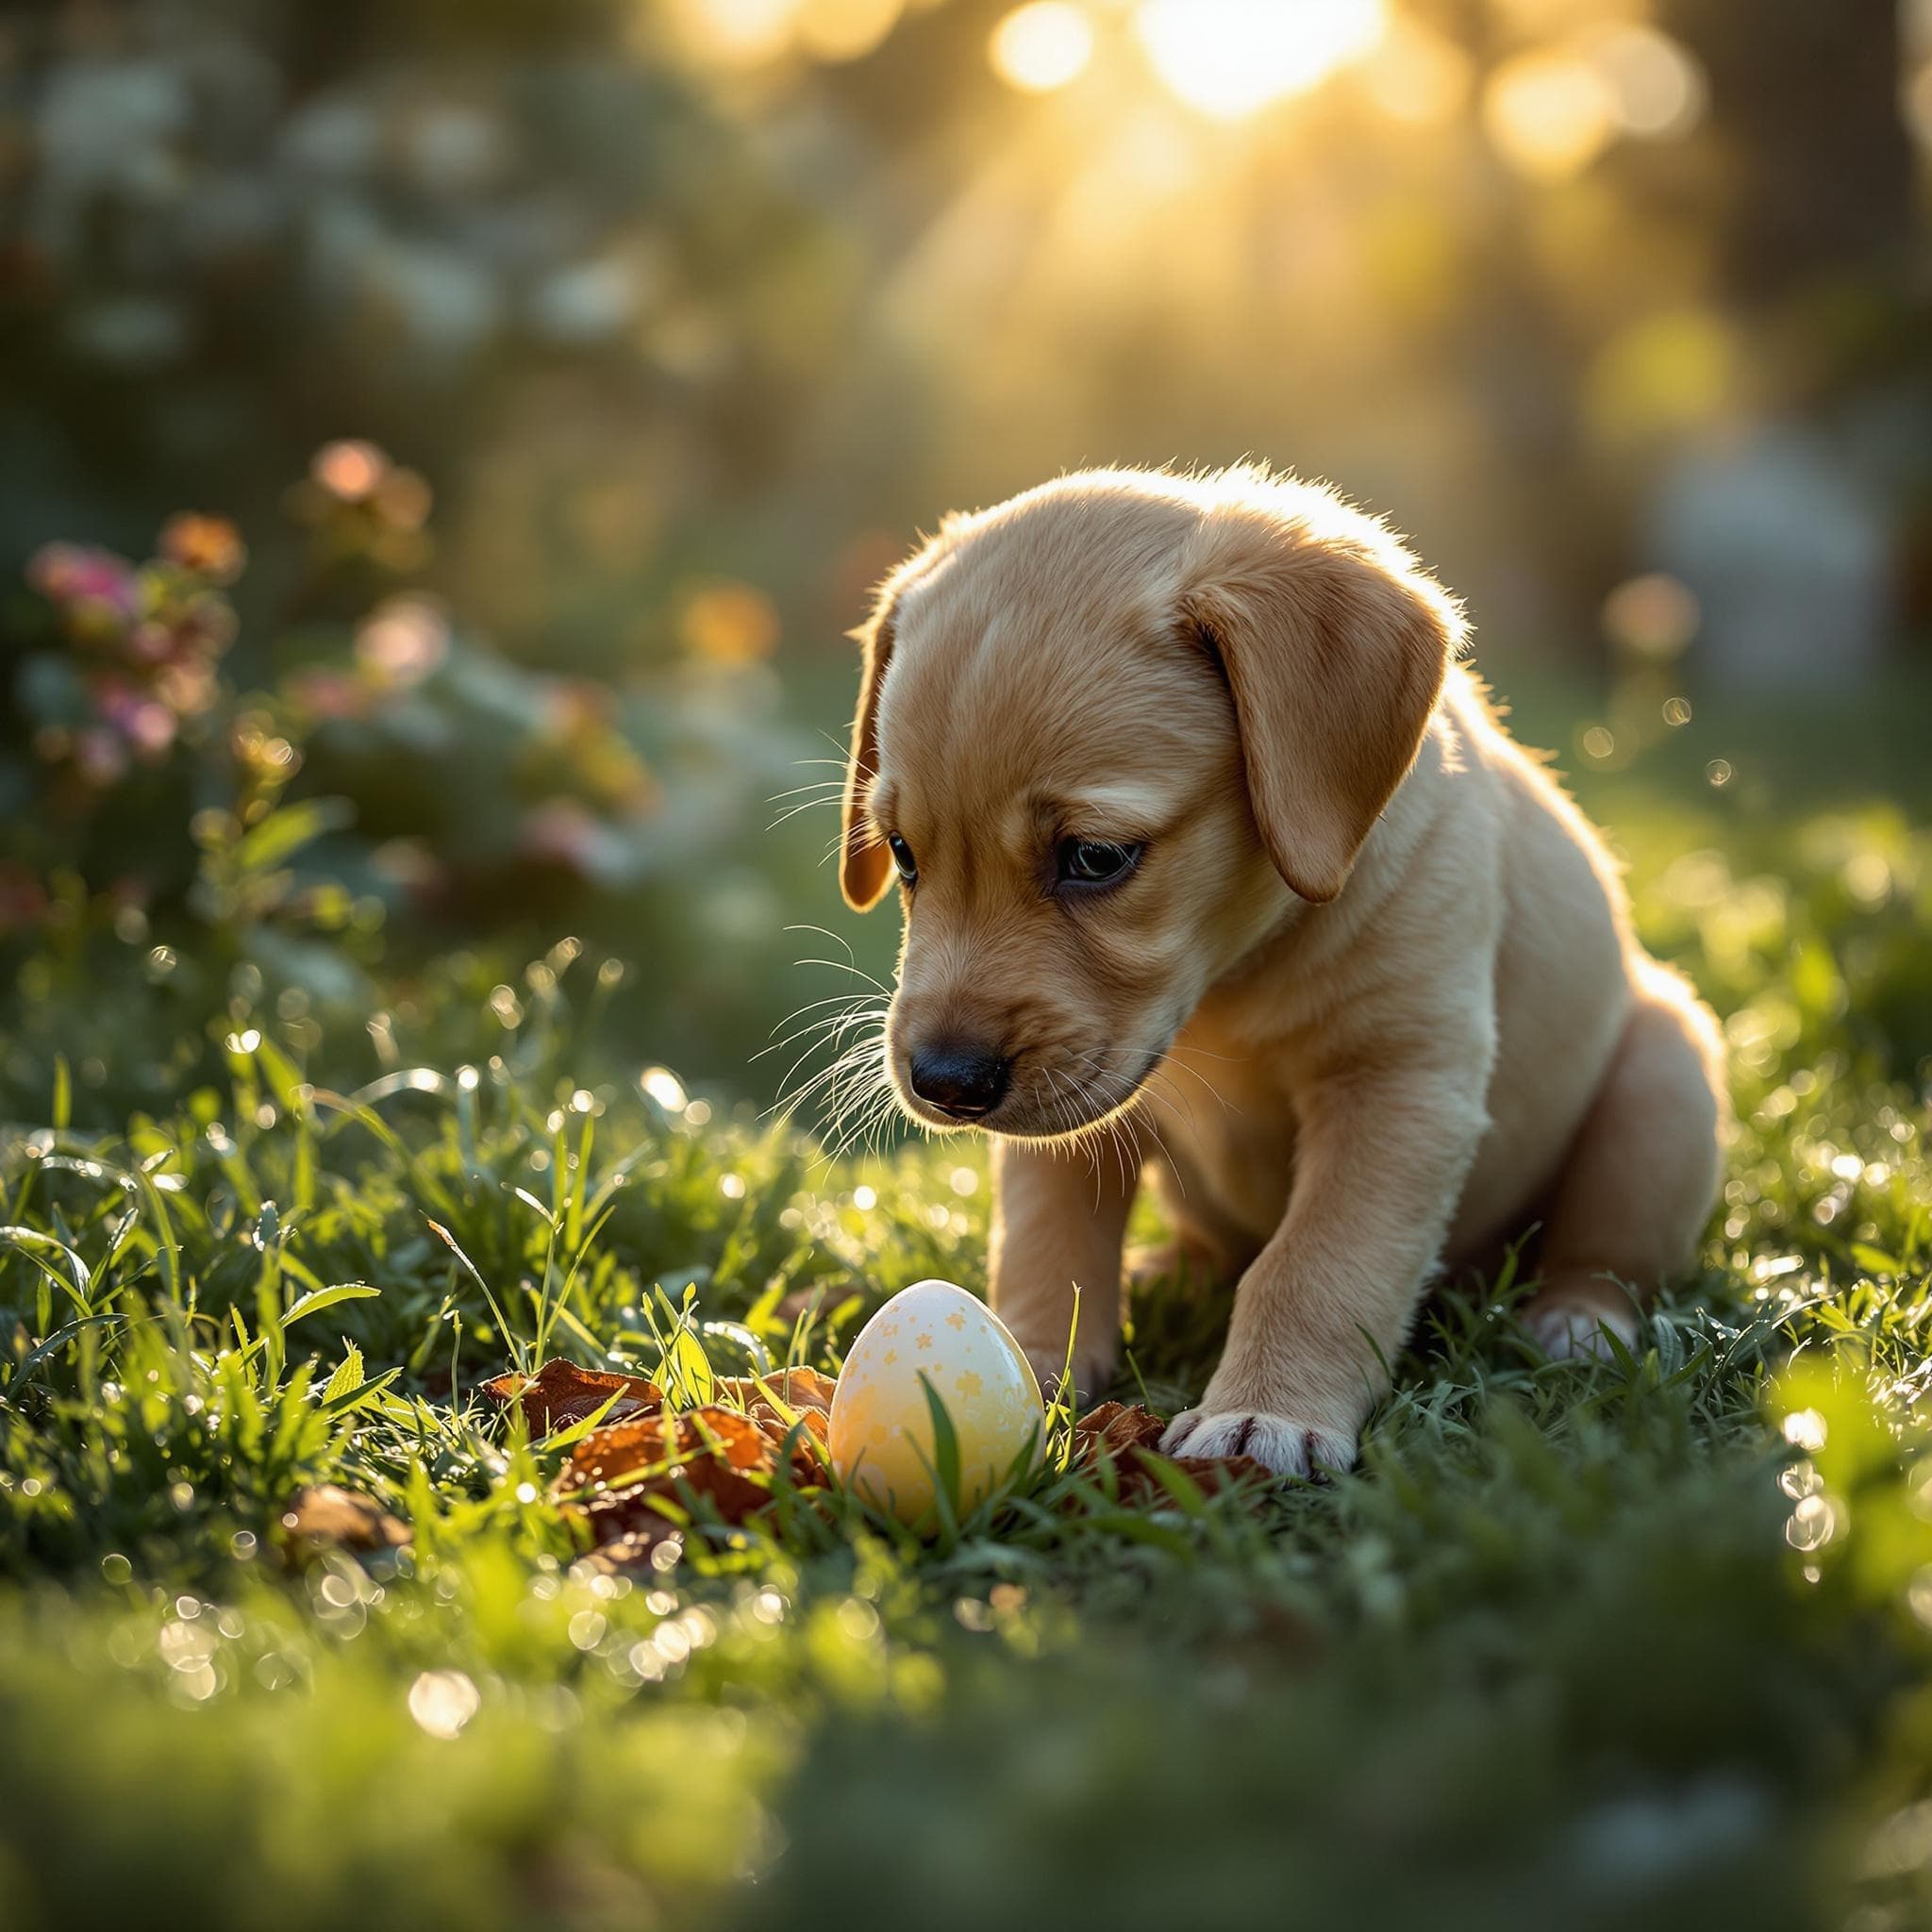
x: 1216, y: 865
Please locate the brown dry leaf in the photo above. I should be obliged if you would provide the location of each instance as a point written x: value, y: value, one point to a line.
x: 1211, y: 1473
x: 614, y: 1472
x: 807, y: 1394
x: 330, y: 1517
x: 810, y: 1449
x: 1124, y: 1430
x: 1117, y: 1427
x: 561, y: 1394
x: 803, y: 1388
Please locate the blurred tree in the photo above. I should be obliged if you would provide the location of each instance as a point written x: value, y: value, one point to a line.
x: 1823, y: 182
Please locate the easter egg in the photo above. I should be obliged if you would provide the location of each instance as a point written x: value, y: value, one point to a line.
x: 933, y: 1333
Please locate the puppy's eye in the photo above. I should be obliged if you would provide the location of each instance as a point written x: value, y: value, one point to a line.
x: 902, y: 858
x: 1095, y: 861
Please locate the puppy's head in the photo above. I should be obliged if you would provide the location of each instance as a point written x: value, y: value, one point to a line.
x: 1109, y: 734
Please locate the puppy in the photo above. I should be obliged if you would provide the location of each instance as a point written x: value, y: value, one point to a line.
x: 1218, y: 868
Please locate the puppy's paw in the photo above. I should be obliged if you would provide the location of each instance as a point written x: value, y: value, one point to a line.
x: 1577, y: 1334
x: 1283, y: 1443
x: 1575, y: 1323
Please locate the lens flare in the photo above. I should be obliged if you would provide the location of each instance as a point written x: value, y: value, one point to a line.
x: 1231, y: 57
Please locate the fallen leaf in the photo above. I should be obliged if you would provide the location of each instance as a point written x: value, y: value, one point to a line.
x: 561, y: 1394
x: 803, y: 1388
x: 1118, y: 1426
x: 330, y: 1517
x: 716, y: 1454
x: 1124, y: 1431
x: 1211, y: 1473
x: 806, y: 1394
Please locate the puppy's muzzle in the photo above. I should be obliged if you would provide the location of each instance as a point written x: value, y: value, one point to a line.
x: 962, y: 1081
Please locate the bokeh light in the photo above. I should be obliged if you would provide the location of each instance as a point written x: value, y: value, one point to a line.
x: 1652, y: 616
x: 1041, y: 46
x: 1549, y: 113
x: 1417, y: 76
x: 734, y: 33
x: 349, y: 470
x: 843, y: 29
x: 731, y: 624
x: 1656, y: 89
x: 1231, y: 57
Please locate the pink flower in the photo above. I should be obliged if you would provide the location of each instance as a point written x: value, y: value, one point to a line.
x: 404, y: 641
x: 149, y: 727
x: 74, y: 574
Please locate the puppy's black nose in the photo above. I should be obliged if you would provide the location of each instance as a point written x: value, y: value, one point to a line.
x: 963, y: 1081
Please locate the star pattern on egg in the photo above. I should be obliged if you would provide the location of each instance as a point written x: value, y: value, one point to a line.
x: 882, y: 1439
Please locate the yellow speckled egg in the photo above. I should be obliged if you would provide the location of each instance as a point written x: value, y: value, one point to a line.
x: 881, y: 1434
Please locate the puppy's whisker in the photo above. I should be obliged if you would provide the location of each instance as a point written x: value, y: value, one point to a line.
x: 1163, y: 1070
x: 849, y: 1001
x: 824, y: 932
x: 819, y: 787
x: 857, y: 971
x: 791, y: 812
x: 854, y: 1005
x: 833, y: 1079
x: 868, y: 1123
x: 825, y: 1029
x: 829, y: 1080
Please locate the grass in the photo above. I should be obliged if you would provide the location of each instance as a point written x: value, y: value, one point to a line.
x: 1577, y: 1645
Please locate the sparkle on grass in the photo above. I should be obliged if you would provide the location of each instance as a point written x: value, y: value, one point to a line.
x: 1805, y: 1429
x: 442, y: 1702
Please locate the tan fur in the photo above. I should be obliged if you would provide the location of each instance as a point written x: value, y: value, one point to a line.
x: 1370, y: 1000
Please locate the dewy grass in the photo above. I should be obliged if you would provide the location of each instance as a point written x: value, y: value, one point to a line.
x: 1578, y: 1645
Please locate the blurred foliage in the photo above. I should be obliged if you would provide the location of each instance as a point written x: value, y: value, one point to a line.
x: 154, y: 850
x: 679, y: 316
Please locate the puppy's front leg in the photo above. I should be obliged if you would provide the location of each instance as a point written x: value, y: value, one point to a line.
x: 1059, y: 1216
x: 1381, y: 1160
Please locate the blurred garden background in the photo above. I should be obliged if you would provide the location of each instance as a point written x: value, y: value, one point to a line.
x: 550, y: 384
x: 442, y: 446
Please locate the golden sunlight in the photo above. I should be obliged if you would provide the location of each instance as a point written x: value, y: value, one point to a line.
x: 1230, y: 58
x: 844, y: 29
x: 1418, y: 75
x: 734, y: 33
x: 1549, y: 114
x: 1042, y: 45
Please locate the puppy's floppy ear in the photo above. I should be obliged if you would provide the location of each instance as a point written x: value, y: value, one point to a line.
x: 864, y: 864
x: 1334, y: 643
